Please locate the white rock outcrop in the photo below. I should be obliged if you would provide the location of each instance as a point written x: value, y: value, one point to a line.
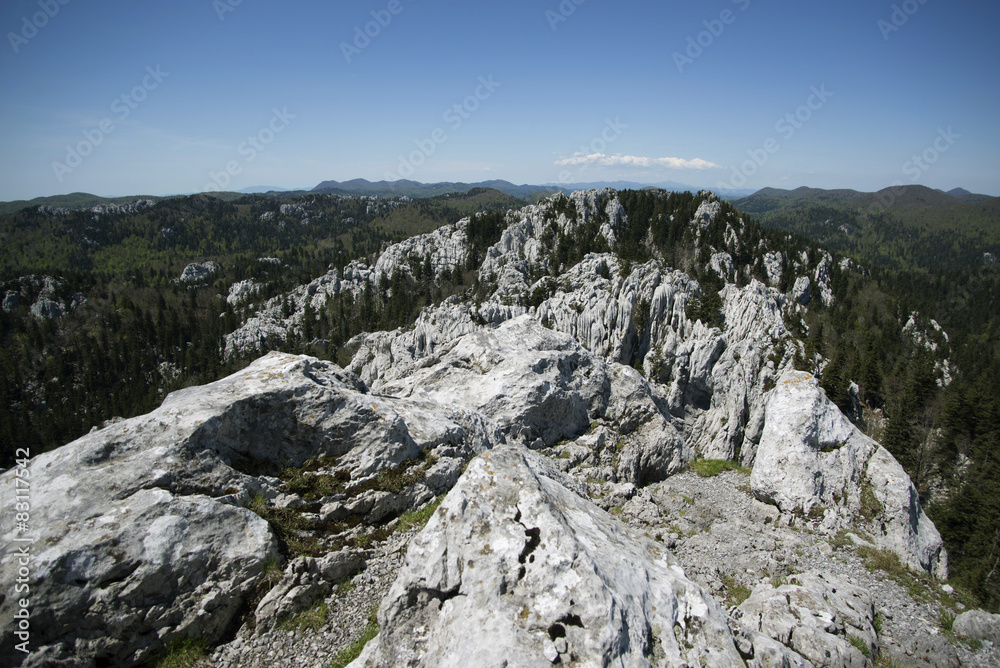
x: 812, y: 460
x: 139, y: 527
x: 516, y: 554
x: 816, y: 615
x: 198, y: 271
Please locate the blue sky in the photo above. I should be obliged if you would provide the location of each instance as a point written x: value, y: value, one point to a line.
x: 119, y: 98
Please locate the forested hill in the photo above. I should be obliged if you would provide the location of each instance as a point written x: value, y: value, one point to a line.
x: 97, y: 324
x: 127, y: 329
x: 904, y: 227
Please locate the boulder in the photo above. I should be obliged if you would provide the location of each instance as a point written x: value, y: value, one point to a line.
x: 139, y: 527
x: 812, y: 460
x: 306, y: 580
x: 977, y: 625
x: 514, y: 569
x: 532, y: 382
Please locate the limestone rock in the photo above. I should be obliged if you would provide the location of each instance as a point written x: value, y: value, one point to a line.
x: 977, y: 625
x: 815, y: 615
x: 196, y: 271
x: 305, y: 581
x: 11, y: 300
x: 811, y: 458
x: 800, y: 291
x: 140, y: 525
x: 516, y: 555
x: 46, y: 309
x: 242, y: 291
x: 533, y: 383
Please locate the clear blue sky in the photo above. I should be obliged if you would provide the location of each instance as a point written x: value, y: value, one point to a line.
x: 706, y: 122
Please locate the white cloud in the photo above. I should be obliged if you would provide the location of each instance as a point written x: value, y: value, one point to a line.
x: 636, y: 161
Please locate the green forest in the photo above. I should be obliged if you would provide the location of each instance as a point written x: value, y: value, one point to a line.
x: 140, y: 333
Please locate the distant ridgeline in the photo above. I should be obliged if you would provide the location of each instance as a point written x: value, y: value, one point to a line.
x: 894, y: 309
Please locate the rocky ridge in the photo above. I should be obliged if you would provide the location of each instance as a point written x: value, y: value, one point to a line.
x: 136, y: 515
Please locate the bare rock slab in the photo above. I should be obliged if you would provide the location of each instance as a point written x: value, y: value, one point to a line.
x: 813, y: 460
x: 516, y: 569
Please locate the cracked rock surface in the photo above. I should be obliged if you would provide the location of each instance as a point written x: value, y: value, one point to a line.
x: 520, y: 557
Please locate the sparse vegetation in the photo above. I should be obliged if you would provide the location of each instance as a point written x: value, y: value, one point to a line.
x: 313, y: 619
x: 870, y: 506
x: 353, y: 651
x: 418, y: 518
x: 292, y: 529
x: 919, y: 586
x: 861, y: 645
x: 708, y: 468
x: 183, y: 653
x: 736, y: 591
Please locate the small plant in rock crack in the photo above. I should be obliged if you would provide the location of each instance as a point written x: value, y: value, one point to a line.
x: 418, y: 518
x: 860, y: 645
x: 290, y: 526
x: 736, y: 592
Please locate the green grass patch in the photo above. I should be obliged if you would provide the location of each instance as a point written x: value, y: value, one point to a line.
x: 919, y: 586
x: 395, y: 480
x: 313, y: 619
x: 420, y: 517
x: 184, y: 653
x: 708, y: 468
x: 289, y: 525
x: 313, y: 486
x: 348, y: 654
x: 870, y: 506
x: 946, y: 620
x: 736, y: 591
x: 860, y: 645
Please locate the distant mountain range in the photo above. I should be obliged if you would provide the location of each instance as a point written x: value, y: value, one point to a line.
x: 900, y: 198
x: 255, y: 190
x: 905, y: 227
x: 754, y: 202
x: 525, y: 191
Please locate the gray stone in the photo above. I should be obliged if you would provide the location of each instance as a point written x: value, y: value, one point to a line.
x: 306, y: 580
x: 811, y: 456
x: 815, y: 616
x: 800, y: 291
x: 513, y: 553
x: 198, y: 271
x: 978, y: 625
x: 11, y: 301
x: 139, y: 526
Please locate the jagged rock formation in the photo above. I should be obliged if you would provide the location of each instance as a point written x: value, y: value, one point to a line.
x: 197, y: 271
x: 49, y: 297
x: 516, y: 554
x: 145, y: 515
x: 603, y: 368
x: 812, y: 460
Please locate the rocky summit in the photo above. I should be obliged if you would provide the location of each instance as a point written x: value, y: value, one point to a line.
x: 582, y: 471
